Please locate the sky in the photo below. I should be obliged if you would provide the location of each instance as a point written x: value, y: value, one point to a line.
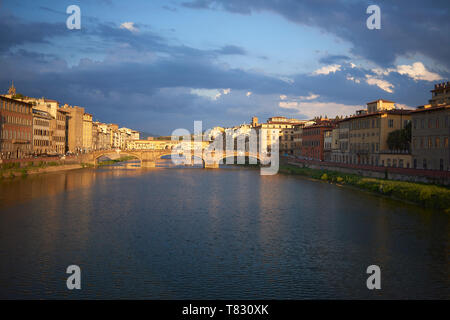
x: 156, y: 66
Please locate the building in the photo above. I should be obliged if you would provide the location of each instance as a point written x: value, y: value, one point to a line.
x: 74, y: 128
x: 367, y: 134
x: 126, y: 135
x: 313, y: 141
x: 41, y: 132
x: 298, y: 132
x: 102, y: 136
x: 287, y: 144
x: 273, y: 130
x: 87, y: 133
x: 430, y: 135
x: 379, y: 105
x: 59, y: 132
x: 327, y: 144
x: 151, y: 144
x: 16, y: 128
x: 440, y: 94
x: 115, y: 135
x: 57, y: 123
x: 340, y: 148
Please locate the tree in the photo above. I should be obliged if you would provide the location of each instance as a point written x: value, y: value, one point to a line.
x: 400, y: 139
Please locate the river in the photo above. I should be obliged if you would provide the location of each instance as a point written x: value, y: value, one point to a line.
x: 229, y: 233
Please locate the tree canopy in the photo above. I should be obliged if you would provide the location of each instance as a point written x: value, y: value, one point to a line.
x: 400, y: 139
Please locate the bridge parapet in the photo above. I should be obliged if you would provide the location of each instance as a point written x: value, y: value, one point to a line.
x: 148, y: 158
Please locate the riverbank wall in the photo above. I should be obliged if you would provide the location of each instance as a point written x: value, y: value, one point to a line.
x: 425, y: 195
x: 389, y: 173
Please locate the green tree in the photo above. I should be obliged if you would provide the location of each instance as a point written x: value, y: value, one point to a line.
x: 400, y: 139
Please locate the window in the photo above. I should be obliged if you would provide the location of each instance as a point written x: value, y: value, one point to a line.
x: 424, y: 163
x: 391, y: 123
x: 441, y: 164
x: 415, y: 123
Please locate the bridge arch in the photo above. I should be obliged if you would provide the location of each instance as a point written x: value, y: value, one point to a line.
x: 107, y: 152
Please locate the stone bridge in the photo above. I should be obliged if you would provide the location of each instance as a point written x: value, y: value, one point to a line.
x: 148, y: 158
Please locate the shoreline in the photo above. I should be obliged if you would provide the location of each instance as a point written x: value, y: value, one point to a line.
x: 12, y: 172
x: 424, y: 195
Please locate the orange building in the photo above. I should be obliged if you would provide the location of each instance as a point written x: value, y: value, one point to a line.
x: 16, y: 129
x: 313, y: 140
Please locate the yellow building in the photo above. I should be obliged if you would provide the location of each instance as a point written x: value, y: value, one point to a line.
x: 87, y: 132
x: 74, y: 128
x: 59, y: 127
x: 368, y: 133
x: 278, y: 129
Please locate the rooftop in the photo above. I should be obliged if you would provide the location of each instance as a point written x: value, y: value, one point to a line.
x: 382, y: 100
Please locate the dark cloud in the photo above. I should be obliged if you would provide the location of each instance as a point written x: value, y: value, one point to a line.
x: 331, y: 59
x: 407, y: 27
x: 15, y: 32
x: 145, y: 80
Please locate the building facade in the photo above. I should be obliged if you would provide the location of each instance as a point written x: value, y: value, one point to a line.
x: 363, y: 138
x: 327, y: 144
x: 440, y: 94
x: 16, y: 129
x: 59, y: 132
x: 273, y: 131
x: 430, y: 135
x: 41, y: 132
x: 313, y: 140
x: 74, y: 128
x: 87, y: 132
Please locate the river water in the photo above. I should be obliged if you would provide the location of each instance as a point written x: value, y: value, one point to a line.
x: 229, y: 233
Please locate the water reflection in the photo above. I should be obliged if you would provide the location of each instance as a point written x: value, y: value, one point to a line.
x: 189, y: 233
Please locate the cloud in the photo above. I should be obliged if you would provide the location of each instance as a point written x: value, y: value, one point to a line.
x: 311, y: 96
x: 416, y: 71
x: 382, y: 84
x: 288, y: 105
x: 408, y: 27
x: 313, y: 109
x: 129, y: 26
x: 144, y: 75
x: 351, y: 78
x: 212, y: 94
x: 334, y: 59
x: 249, y: 93
x: 328, y: 69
